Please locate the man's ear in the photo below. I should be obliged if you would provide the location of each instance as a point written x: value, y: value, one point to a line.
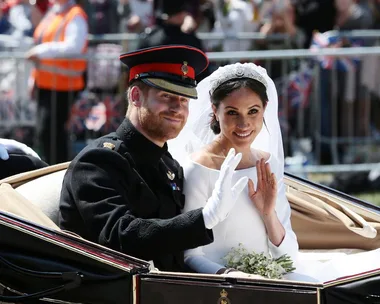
x: 136, y: 96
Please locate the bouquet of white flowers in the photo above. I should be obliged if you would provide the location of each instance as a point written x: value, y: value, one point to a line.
x: 259, y: 263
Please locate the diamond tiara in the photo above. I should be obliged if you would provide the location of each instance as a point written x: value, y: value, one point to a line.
x: 236, y: 71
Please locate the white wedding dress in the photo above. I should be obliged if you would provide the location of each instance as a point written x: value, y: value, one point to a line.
x: 243, y: 225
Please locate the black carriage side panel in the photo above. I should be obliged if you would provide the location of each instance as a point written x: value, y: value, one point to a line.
x: 360, y: 291
x: 157, y: 289
x: 62, y: 267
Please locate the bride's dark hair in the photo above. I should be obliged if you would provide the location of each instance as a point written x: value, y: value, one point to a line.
x: 225, y: 89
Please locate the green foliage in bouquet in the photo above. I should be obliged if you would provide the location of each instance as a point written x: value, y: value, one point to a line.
x: 259, y: 263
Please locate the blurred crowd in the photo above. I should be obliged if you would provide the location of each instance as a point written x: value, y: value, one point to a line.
x: 297, y: 18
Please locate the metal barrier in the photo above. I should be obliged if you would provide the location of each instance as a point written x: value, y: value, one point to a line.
x: 367, y: 34
x: 310, y: 102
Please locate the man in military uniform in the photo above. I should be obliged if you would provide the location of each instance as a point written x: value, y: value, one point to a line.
x: 124, y: 190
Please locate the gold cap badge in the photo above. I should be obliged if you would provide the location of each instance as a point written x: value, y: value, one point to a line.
x: 185, y: 68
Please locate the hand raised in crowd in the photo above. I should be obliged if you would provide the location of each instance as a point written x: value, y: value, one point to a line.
x: 189, y: 24
x: 224, y: 195
x: 265, y: 195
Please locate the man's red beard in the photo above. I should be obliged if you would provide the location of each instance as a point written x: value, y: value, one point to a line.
x: 157, y: 127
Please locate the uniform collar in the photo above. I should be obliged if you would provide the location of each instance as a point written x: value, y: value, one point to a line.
x: 142, y: 149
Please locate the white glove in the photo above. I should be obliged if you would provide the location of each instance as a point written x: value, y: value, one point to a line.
x: 224, y: 196
x: 3, y: 152
x: 10, y: 145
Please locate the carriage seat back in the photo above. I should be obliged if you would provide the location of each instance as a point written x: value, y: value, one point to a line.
x: 44, y: 192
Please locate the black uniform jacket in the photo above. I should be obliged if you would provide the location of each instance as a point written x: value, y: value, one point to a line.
x: 124, y: 192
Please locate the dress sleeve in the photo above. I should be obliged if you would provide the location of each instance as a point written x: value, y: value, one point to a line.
x: 289, y: 244
x: 197, y: 191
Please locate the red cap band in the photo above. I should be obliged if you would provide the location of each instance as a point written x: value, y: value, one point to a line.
x: 172, y: 68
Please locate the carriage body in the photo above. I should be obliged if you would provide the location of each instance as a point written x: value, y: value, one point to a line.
x: 41, y: 262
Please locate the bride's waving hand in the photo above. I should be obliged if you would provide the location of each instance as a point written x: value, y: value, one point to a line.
x: 264, y: 197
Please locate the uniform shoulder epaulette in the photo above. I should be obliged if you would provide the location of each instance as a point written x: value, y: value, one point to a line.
x: 112, y: 143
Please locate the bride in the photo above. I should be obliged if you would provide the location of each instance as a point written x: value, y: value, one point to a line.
x: 237, y: 108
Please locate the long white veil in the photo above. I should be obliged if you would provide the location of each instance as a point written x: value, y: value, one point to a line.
x: 197, y: 132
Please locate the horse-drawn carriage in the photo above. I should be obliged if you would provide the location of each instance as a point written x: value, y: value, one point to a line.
x: 41, y: 263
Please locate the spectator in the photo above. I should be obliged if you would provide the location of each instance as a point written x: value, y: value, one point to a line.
x: 56, y: 81
x: 38, y: 11
x: 374, y: 6
x: 123, y: 11
x: 282, y: 21
x: 351, y: 119
x: 314, y: 15
x: 206, y: 20
x: 4, y: 22
x: 141, y: 15
x: 232, y: 17
x: 102, y: 15
x: 20, y: 18
x: 170, y: 16
x: 351, y: 16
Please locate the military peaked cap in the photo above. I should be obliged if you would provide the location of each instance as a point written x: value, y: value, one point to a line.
x: 171, y: 68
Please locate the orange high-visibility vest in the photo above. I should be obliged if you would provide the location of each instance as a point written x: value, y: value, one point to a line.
x: 59, y: 74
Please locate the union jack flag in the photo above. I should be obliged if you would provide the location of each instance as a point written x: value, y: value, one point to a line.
x: 97, y: 117
x: 299, y: 87
x: 294, y: 89
x: 79, y: 112
x: 114, y: 115
x: 332, y: 39
x: 106, y: 115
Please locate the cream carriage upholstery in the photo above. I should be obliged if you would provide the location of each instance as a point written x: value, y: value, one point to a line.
x: 36, y: 193
x: 44, y: 192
